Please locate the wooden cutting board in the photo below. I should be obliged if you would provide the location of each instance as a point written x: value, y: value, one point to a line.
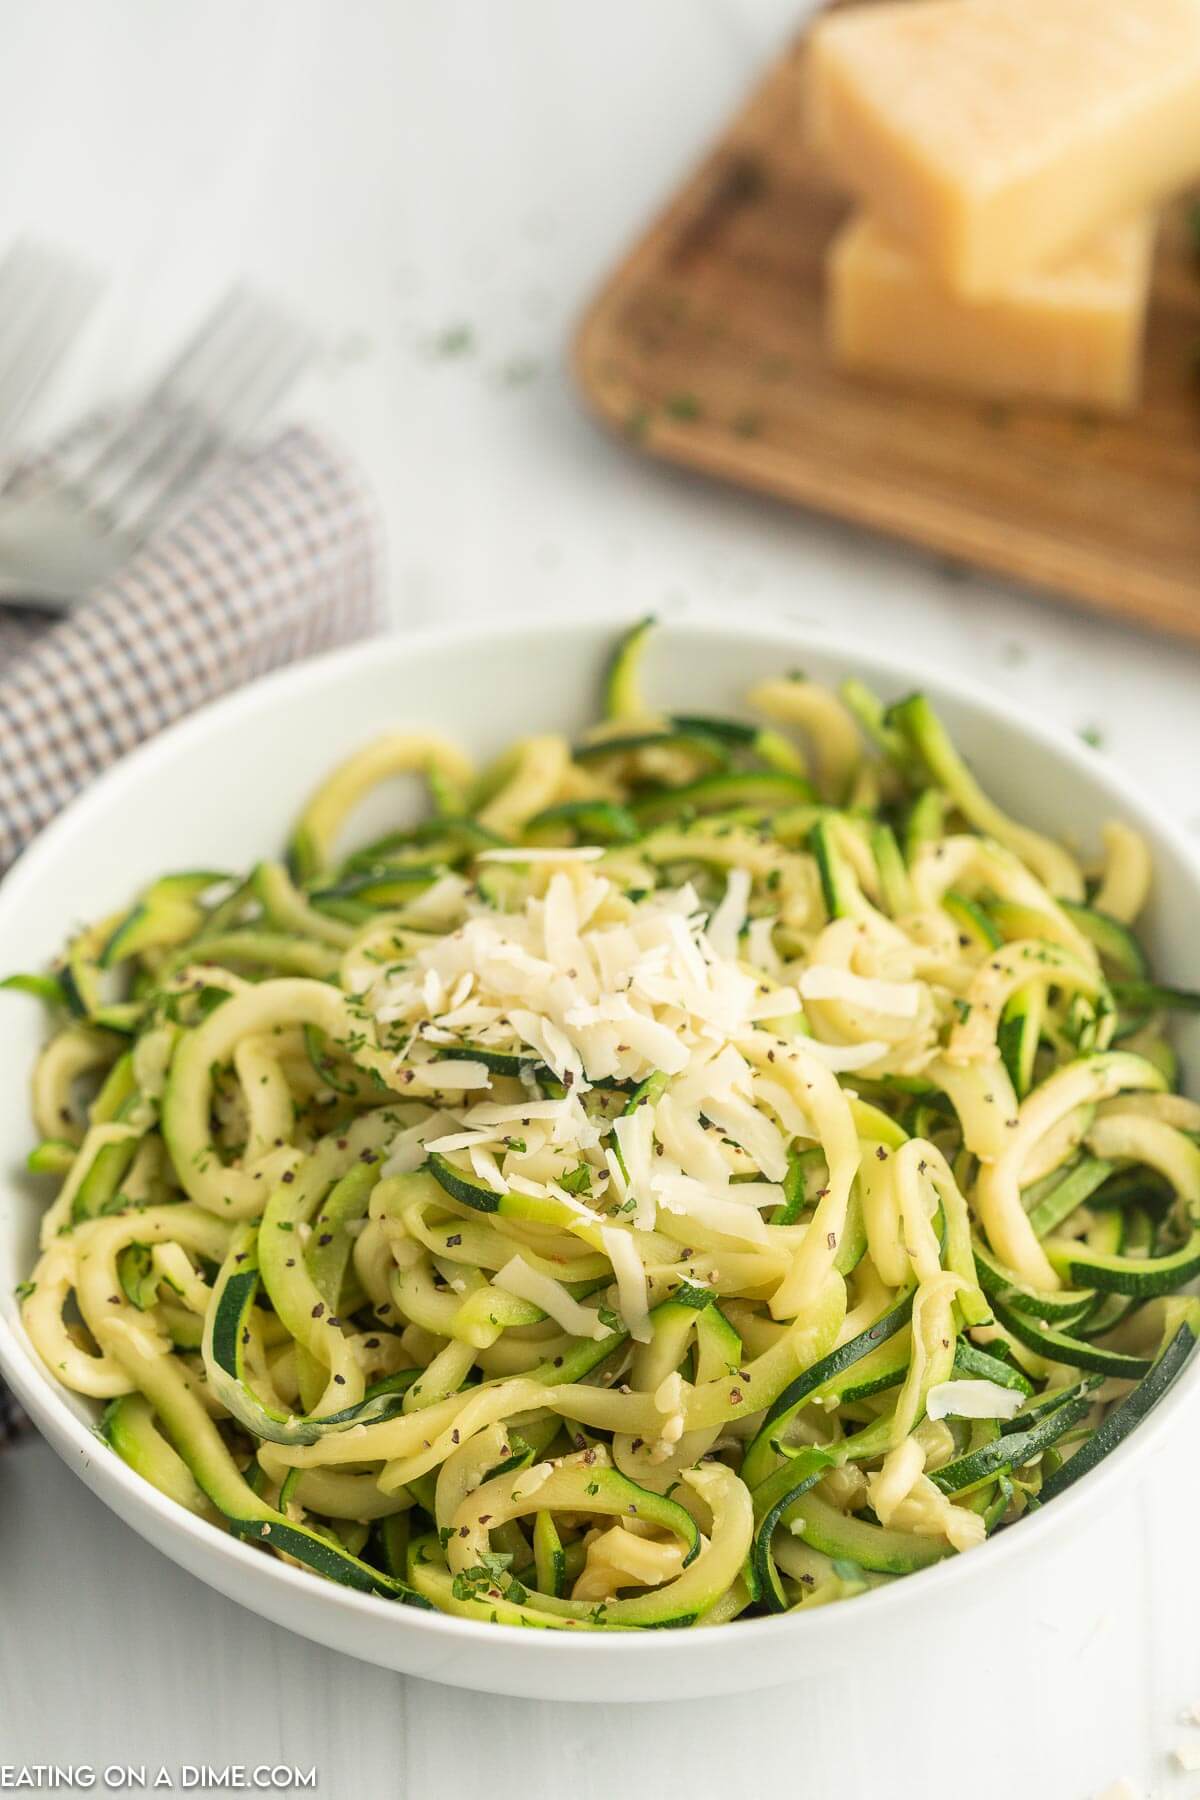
x: 706, y: 348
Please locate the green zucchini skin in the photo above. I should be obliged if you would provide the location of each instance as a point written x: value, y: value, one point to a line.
x: 1048, y: 1404
x: 765, y: 746
x: 1117, y: 945
x: 773, y: 1499
x: 1011, y: 1450
x: 167, y: 915
x: 925, y: 823
x: 461, y: 1186
x: 972, y: 920
x: 1128, y: 1414
x: 325, y: 1062
x: 696, y: 1428
x: 773, y: 790
x: 499, y: 1062
x: 383, y: 886
x: 1001, y: 1284
x: 584, y: 821
x: 1018, y: 1036
x: 323, y: 1558
x: 53, y: 1156
x: 837, y: 882
x: 1153, y: 996
x: 47, y: 988
x: 128, y: 1427
x: 707, y: 750
x: 874, y: 1547
x: 1077, y: 1186
x: 226, y: 1340
x: 976, y: 1365
x: 758, y: 1458
x: 550, y: 1558
x: 389, y: 1545
x: 1060, y: 1346
x: 1141, y: 1277
x: 434, y: 841
x: 622, y: 691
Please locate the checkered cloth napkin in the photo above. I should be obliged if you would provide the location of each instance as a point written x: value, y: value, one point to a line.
x: 278, y: 558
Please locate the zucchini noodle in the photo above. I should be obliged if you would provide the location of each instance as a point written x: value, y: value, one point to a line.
x: 651, y: 1190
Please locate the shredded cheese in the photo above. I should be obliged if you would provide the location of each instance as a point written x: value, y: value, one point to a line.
x: 972, y: 1400
x: 630, y: 1272
x: 725, y: 925
x: 516, y: 1277
x: 897, y: 999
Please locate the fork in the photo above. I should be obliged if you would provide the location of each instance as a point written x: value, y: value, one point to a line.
x: 110, y: 487
x: 45, y: 295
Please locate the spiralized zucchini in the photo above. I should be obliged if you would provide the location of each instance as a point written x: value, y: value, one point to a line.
x: 652, y: 1190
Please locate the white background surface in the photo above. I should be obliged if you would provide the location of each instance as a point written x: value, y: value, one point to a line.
x: 398, y: 169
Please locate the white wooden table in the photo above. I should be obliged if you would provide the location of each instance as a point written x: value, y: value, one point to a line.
x: 440, y: 184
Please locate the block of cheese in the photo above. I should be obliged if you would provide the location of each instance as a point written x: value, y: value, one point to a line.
x: 999, y: 135
x: 1069, y: 334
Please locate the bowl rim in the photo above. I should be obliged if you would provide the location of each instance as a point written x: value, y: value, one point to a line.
x: 75, y: 1442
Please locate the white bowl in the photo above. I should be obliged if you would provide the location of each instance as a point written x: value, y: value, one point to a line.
x: 219, y: 790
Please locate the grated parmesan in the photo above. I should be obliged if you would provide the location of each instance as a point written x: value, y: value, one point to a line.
x: 725, y: 925
x: 896, y: 999
x: 632, y: 1297
x: 973, y: 1400
x: 601, y: 988
x: 516, y: 1277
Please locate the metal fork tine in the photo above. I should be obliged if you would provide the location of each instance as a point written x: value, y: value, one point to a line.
x: 203, y: 363
x: 44, y: 297
x: 118, y: 480
x: 258, y: 368
x: 278, y: 373
x: 28, y: 276
x: 182, y: 412
x: 138, y: 434
x: 202, y: 350
x: 20, y: 310
x: 64, y: 311
x: 20, y: 274
x: 219, y: 391
x: 292, y: 348
x: 14, y: 283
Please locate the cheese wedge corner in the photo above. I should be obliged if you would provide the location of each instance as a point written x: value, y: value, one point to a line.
x: 997, y: 136
x: 1067, y: 335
